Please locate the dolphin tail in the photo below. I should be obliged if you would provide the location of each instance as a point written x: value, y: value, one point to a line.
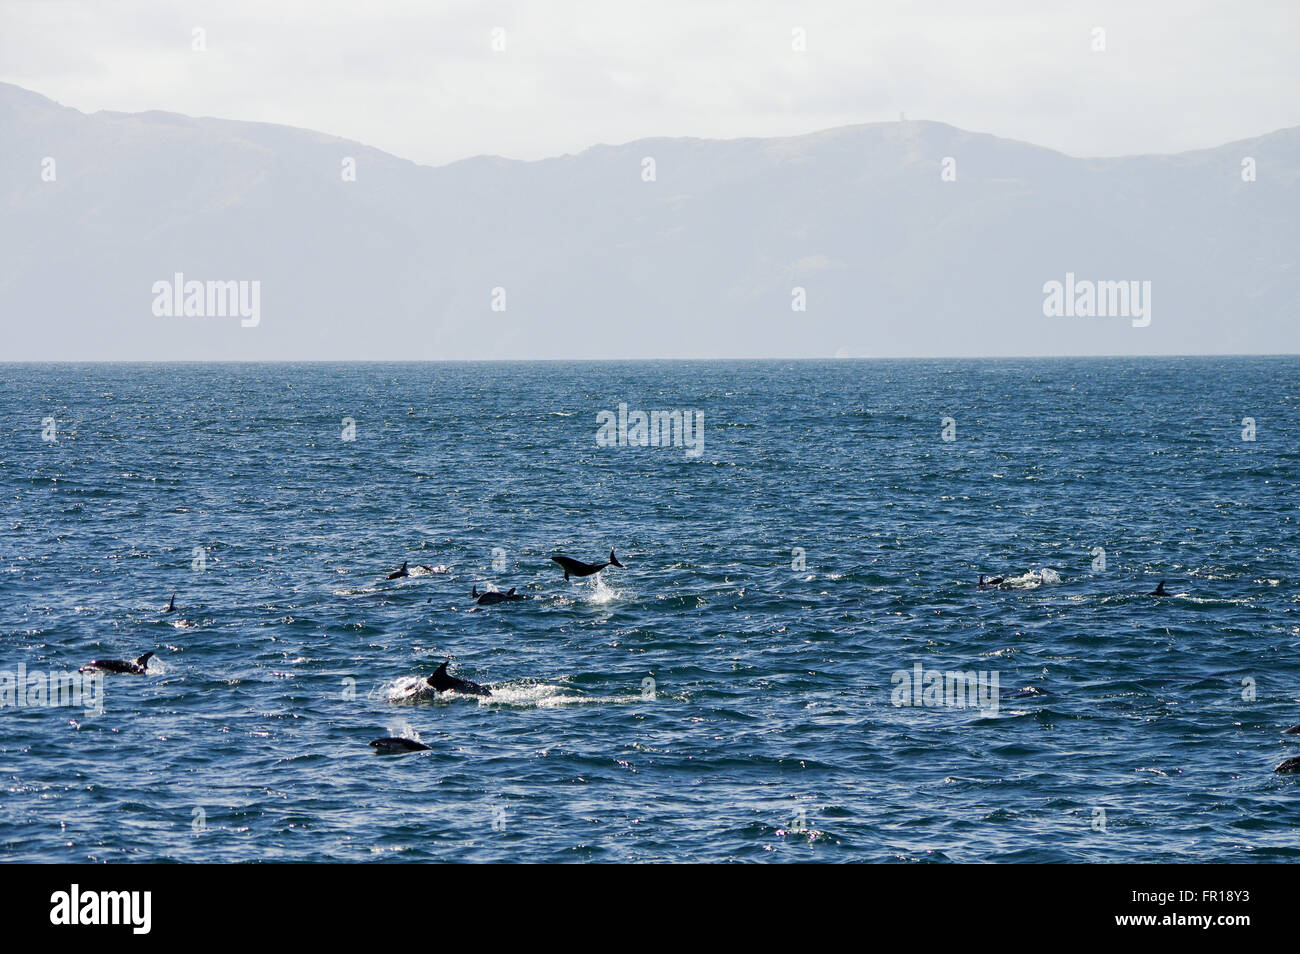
x: 613, y: 560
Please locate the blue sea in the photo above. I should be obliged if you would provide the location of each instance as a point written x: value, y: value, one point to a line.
x: 739, y: 691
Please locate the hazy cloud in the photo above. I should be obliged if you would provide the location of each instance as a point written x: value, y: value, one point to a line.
x: 421, y: 80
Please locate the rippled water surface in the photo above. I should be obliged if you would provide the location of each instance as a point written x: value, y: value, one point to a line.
x: 1126, y: 728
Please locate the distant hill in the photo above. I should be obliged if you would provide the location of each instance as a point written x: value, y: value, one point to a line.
x: 596, y: 262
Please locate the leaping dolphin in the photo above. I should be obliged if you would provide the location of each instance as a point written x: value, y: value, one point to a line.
x: 136, y: 667
x: 443, y: 682
x: 578, y: 568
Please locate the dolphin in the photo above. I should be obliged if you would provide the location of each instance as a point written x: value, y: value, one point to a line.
x: 490, y: 597
x: 578, y: 568
x: 395, y: 746
x: 1159, y: 590
x: 1294, y: 730
x: 399, y: 573
x: 996, y: 581
x: 445, y: 683
x: 136, y: 667
x: 1028, y: 692
x: 1290, y: 765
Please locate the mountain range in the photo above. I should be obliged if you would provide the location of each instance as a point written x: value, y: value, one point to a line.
x: 909, y: 238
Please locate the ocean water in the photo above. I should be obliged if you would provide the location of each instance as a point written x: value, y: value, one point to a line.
x: 826, y: 539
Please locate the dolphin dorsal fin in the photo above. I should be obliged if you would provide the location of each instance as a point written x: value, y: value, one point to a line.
x: 441, y: 670
x: 474, y: 592
x: 510, y: 592
x: 143, y: 661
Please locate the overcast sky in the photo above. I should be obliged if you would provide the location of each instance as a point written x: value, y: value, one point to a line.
x: 420, y: 78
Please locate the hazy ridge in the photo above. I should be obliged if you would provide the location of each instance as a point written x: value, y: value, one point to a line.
x: 598, y: 263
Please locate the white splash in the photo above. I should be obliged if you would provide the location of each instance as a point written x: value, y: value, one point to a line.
x: 602, y: 592
x: 1033, y: 579
x: 541, y: 695
x: 524, y: 695
x: 422, y: 570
